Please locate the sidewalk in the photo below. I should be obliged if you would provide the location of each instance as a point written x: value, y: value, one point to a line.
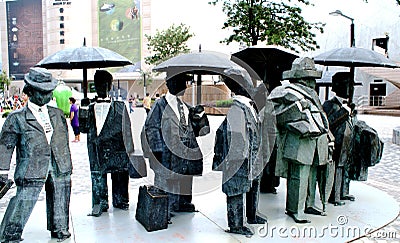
x: 373, y: 208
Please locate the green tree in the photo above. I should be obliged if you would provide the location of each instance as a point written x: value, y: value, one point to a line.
x: 271, y: 22
x: 4, y: 80
x: 168, y: 43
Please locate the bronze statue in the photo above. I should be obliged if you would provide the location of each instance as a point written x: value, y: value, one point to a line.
x: 341, y: 118
x: 40, y: 135
x: 302, y: 140
x: 110, y: 147
x: 237, y: 154
x: 357, y: 145
x: 169, y: 141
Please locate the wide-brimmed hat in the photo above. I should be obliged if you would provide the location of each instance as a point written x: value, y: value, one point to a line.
x: 40, y: 79
x: 302, y: 67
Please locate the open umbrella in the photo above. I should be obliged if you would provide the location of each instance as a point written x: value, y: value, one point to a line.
x: 202, y: 63
x: 268, y: 62
x: 353, y: 57
x: 83, y: 58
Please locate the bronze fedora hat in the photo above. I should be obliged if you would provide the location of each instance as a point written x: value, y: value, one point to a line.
x: 40, y: 79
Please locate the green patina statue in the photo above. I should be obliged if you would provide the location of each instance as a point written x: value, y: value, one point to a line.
x: 303, y: 140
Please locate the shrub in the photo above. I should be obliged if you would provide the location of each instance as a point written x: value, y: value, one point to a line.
x: 224, y: 103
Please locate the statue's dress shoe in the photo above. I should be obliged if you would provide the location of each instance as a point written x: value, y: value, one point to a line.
x: 186, y: 207
x: 122, y: 206
x: 348, y: 197
x: 257, y: 220
x: 337, y: 203
x: 61, y: 235
x: 297, y: 219
x: 243, y: 230
x: 97, y: 210
x: 314, y: 211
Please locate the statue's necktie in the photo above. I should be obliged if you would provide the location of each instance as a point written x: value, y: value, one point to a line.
x: 45, y: 121
x: 182, y: 119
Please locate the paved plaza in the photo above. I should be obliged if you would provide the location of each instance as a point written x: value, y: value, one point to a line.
x: 375, y: 203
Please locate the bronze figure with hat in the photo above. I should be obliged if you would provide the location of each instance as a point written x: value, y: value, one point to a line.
x: 39, y: 133
x: 303, y: 137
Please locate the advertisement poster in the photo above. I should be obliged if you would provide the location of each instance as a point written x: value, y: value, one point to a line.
x: 25, y: 36
x: 120, y: 27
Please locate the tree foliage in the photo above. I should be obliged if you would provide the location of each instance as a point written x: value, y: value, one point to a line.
x: 271, y: 22
x: 4, y: 80
x: 168, y: 43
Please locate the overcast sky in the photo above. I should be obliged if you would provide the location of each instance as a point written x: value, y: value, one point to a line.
x: 371, y: 20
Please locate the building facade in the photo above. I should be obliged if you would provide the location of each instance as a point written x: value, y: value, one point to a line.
x: 33, y: 29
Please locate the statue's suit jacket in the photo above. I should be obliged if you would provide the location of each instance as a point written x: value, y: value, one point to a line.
x: 237, y: 150
x: 33, y: 153
x: 109, y: 151
x: 162, y: 133
x: 303, y: 128
x: 340, y: 124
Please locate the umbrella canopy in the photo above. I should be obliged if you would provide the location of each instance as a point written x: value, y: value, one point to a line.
x: 83, y: 58
x: 268, y: 62
x: 202, y: 63
x: 354, y: 57
x: 196, y: 61
x: 136, y: 67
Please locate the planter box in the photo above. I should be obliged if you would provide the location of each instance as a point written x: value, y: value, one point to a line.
x: 216, y: 110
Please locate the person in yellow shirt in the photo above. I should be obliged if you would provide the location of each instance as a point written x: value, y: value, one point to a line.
x: 147, y: 103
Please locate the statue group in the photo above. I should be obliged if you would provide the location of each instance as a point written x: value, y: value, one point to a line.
x: 314, y: 145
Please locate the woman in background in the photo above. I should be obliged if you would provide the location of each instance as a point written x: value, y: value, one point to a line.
x: 73, y: 116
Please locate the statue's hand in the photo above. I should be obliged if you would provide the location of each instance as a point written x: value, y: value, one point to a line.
x: 331, y: 148
x: 3, y: 178
x: 198, y: 112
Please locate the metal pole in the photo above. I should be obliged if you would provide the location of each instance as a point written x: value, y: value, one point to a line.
x: 193, y: 92
x: 198, y: 89
x: 352, y: 39
x: 352, y: 69
x: 144, y: 85
x: 119, y: 92
x: 351, y: 91
x: 85, y: 83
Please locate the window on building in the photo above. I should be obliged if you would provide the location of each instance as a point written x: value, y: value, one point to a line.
x: 61, y: 10
x: 62, y: 33
x: 61, y: 18
x: 62, y: 26
x: 62, y: 41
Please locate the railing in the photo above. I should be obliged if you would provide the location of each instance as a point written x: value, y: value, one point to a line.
x: 362, y: 101
x: 371, y: 101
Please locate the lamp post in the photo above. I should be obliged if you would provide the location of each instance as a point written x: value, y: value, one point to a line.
x: 144, y: 80
x: 339, y: 13
x: 352, y: 44
x: 144, y: 85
